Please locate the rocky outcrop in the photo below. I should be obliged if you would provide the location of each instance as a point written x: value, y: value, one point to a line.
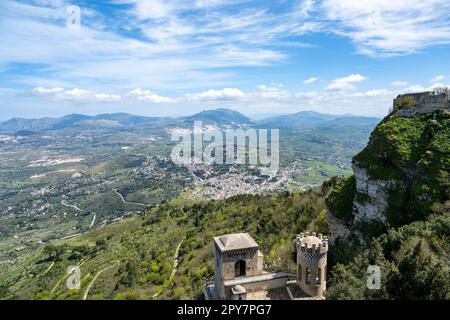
x: 371, y: 200
x: 403, y: 173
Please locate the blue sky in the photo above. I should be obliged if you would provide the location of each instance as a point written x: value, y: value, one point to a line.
x: 156, y: 57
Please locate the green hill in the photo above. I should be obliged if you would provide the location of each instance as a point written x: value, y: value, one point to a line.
x: 397, y: 209
x: 133, y: 259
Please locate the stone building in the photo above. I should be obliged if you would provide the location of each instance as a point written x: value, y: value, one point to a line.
x: 240, y: 275
x: 420, y: 102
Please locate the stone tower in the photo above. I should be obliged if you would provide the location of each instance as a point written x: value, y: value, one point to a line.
x: 236, y: 255
x: 312, y: 263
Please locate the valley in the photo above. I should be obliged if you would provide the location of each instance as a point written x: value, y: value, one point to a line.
x: 59, y: 183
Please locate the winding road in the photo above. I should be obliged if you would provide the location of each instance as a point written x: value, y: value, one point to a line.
x: 70, y: 205
x: 49, y: 267
x: 82, y: 261
x: 86, y: 292
x: 175, y: 260
x: 93, y: 220
x: 129, y: 202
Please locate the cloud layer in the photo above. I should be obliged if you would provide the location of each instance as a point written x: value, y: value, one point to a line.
x: 75, y: 94
x: 205, y: 52
x: 389, y: 28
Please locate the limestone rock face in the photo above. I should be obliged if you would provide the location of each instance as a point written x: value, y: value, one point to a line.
x: 375, y: 196
x: 401, y: 176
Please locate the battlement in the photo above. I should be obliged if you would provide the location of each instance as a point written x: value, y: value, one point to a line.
x: 421, y: 102
x: 312, y: 244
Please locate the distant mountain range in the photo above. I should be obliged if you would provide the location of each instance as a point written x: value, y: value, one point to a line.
x: 219, y: 117
x: 78, y: 121
x: 312, y: 119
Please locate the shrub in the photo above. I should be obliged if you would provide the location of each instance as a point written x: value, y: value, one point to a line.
x: 404, y: 102
x: 340, y: 200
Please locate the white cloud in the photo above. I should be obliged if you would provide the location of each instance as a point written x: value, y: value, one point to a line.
x: 345, y: 83
x: 387, y: 28
x: 148, y: 96
x: 307, y: 95
x: 378, y: 93
x: 107, y: 97
x: 399, y: 83
x: 212, y: 94
x: 310, y: 80
x: 181, y: 48
x: 153, y: 9
x: 183, y: 45
x: 264, y: 99
x: 47, y: 91
x: 438, y: 85
x: 75, y: 94
x: 413, y: 88
x: 420, y: 88
x: 271, y: 92
x: 372, y: 102
x: 437, y: 78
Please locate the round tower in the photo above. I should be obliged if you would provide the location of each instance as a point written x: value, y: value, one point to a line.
x: 312, y: 263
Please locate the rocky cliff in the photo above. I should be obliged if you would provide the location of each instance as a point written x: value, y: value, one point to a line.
x: 403, y: 173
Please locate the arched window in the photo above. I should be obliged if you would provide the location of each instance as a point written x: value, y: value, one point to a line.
x: 239, y: 268
x: 308, y: 276
x: 318, y: 276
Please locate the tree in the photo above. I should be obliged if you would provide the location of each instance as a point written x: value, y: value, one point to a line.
x: 53, y: 252
x: 419, y: 277
x: 440, y: 90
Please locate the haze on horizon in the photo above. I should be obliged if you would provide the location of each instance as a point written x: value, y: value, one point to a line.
x: 174, y: 58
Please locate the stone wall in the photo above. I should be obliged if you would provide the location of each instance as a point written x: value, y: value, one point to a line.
x: 424, y: 102
x: 229, y: 259
x: 225, y: 265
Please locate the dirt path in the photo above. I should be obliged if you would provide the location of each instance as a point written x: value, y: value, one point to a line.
x: 174, y: 269
x: 93, y: 220
x: 95, y: 278
x: 66, y: 275
x: 128, y: 202
x: 175, y: 260
x: 49, y: 267
x: 70, y: 205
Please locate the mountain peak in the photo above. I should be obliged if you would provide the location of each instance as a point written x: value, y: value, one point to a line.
x: 220, y: 116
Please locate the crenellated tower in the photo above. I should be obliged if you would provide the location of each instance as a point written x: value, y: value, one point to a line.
x: 312, y: 263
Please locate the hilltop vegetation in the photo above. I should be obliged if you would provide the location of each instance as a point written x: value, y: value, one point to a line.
x: 413, y: 261
x: 416, y: 152
x: 133, y: 259
x: 405, y: 173
x: 77, y: 161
